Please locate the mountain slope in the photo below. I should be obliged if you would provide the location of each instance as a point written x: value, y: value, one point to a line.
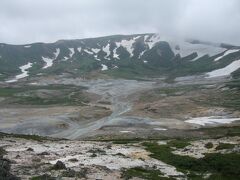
x: 126, y: 56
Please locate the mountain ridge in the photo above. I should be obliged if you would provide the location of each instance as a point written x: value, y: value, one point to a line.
x: 126, y: 56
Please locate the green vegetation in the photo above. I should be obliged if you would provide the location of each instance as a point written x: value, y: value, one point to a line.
x: 224, y: 165
x: 11, y: 91
x: 27, y: 137
x: 233, y: 84
x: 72, y: 173
x: 217, y: 132
x: 143, y: 173
x: 44, y: 95
x: 178, y: 143
x: 132, y: 69
x: 5, y: 92
x: 222, y: 146
x: 43, y: 177
x: 161, y: 61
x: 2, y: 152
x: 229, y: 99
x: 119, y: 140
x: 126, y: 141
x: 167, y: 91
x: 2, y: 77
x: 209, y: 145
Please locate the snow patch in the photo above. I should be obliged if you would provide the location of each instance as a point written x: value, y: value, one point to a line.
x: 141, y: 54
x: 227, y: 53
x: 226, y: 71
x: 96, y: 57
x: 106, y: 49
x: 160, y: 129
x: 126, y: 132
x: 115, y: 55
x: 95, y: 50
x: 71, y: 52
x: 65, y: 58
x: 211, y: 120
x: 104, y: 67
x: 33, y: 83
x: 79, y: 49
x: 185, y: 48
x: 153, y: 40
x: 146, y: 37
x: 24, y: 73
x: 127, y: 44
x: 27, y: 46
x: 48, y: 61
x: 88, y: 52
x: 56, y: 53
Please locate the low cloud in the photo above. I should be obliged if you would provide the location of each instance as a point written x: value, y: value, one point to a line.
x: 29, y: 21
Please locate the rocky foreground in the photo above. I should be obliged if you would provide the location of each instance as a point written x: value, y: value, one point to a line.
x: 33, y: 157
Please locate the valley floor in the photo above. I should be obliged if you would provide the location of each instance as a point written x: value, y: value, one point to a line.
x: 121, y: 129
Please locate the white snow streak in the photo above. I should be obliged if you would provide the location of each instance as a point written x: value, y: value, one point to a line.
x: 27, y: 46
x: 211, y: 120
x: 160, y: 129
x: 49, y: 61
x: 24, y: 73
x: 128, y: 44
x: 104, y: 67
x: 95, y: 50
x: 79, y: 49
x: 87, y: 51
x: 227, y: 53
x: 186, y: 48
x: 96, y: 57
x: 152, y: 41
x: 107, y: 50
x: 115, y: 55
x: 226, y: 71
x: 71, y: 52
x: 141, y: 54
x: 56, y: 53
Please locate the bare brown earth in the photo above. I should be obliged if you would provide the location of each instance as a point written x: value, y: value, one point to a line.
x: 182, y: 104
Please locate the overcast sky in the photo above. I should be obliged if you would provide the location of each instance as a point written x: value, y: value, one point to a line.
x: 26, y: 21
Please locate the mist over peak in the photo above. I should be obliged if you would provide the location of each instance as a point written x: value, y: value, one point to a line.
x: 49, y: 21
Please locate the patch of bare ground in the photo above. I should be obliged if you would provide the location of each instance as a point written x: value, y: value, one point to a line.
x: 180, y: 104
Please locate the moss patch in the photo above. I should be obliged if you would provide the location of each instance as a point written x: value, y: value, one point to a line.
x: 143, y: 173
x: 222, y: 146
x: 225, y: 165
